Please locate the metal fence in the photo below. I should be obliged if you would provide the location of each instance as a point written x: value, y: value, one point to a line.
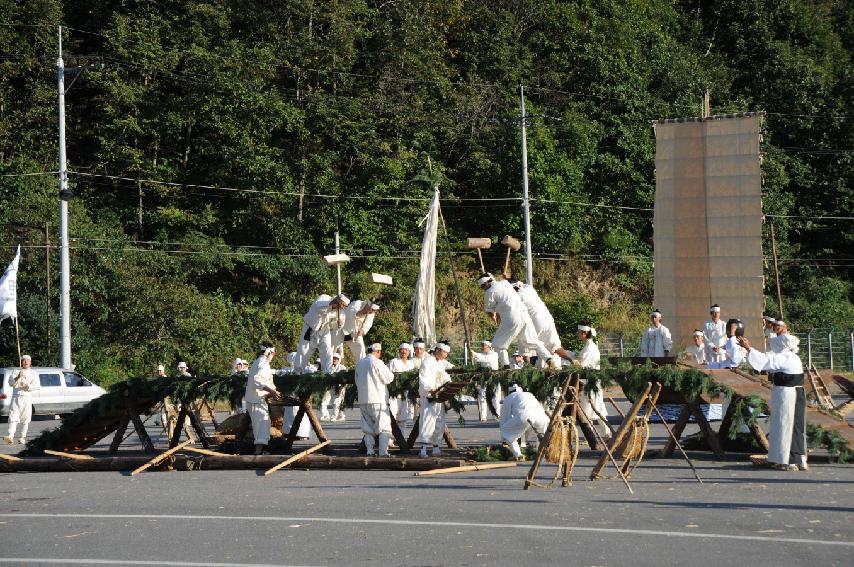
x: 824, y: 348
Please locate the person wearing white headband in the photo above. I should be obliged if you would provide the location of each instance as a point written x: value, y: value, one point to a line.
x: 787, y: 437
x: 260, y: 388
x: 656, y: 340
x: 372, y: 378
x: 328, y: 394
x: 358, y: 320
x: 419, y: 352
x: 487, y: 358
x: 780, y: 327
x: 714, y: 332
x: 593, y: 402
x: 24, y: 381
x: 398, y: 405
x: 696, y: 353
x: 323, y: 319
x: 431, y: 376
x: 338, y: 399
x: 768, y: 324
x: 507, y: 310
x: 542, y: 320
x: 522, y: 411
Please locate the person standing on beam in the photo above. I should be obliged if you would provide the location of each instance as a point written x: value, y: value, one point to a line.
x: 319, y: 323
x: 541, y: 317
x: 592, y: 402
x: 656, y: 341
x: 715, y: 333
x: 511, y: 315
x: 358, y: 320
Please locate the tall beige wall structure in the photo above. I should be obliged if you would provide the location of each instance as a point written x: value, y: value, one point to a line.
x: 708, y: 222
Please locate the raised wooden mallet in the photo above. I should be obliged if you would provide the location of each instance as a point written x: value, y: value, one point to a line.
x: 479, y: 244
x: 512, y: 245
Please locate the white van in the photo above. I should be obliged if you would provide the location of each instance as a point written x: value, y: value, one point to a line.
x: 61, y: 391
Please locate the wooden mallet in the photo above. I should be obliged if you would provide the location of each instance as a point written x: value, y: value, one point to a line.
x: 479, y: 244
x: 512, y: 245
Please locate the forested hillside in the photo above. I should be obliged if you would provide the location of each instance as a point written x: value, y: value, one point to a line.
x: 216, y: 145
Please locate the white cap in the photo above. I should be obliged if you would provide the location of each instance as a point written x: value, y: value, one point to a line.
x: 715, y: 308
x: 484, y: 278
x: 697, y: 334
x: 443, y: 346
x: 182, y: 364
x: 269, y: 350
x: 781, y: 323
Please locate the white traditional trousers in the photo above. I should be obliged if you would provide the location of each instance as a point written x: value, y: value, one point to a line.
x: 320, y: 341
x: 787, y: 443
x: 432, y: 422
x: 20, y: 411
x: 259, y: 414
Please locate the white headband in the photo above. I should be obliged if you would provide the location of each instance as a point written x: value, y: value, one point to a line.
x: 405, y: 346
x: 486, y: 278
x: 587, y: 329
x: 375, y: 347
x: 26, y: 357
x: 269, y: 350
x: 444, y: 347
x: 656, y: 312
x: 336, y: 355
x: 517, y: 353
x: 782, y: 323
x: 697, y: 334
x: 487, y: 343
x: 715, y: 309
x: 182, y: 365
x: 769, y: 319
x: 419, y: 344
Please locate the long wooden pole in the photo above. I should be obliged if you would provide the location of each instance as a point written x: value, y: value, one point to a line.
x: 466, y: 468
x: 456, y: 281
x: 675, y: 441
x: 296, y: 457
x: 160, y: 457
x: 18, y: 338
x: 776, y: 272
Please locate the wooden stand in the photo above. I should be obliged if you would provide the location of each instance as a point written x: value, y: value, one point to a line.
x: 305, y: 409
x: 131, y: 416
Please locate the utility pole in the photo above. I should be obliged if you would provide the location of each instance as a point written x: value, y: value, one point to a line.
x: 64, y: 263
x: 338, y: 265
x: 526, y: 204
x: 47, y: 281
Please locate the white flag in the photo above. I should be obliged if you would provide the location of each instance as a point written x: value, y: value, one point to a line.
x: 9, y: 289
x: 424, y: 302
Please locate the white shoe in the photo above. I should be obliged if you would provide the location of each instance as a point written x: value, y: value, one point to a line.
x: 9, y: 440
x: 22, y: 441
x: 436, y: 451
x: 384, y: 455
x: 341, y: 417
x: 423, y: 452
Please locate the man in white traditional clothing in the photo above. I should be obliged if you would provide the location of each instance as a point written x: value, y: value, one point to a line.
x: 780, y: 327
x: 431, y: 376
x: 338, y: 399
x: 656, y: 341
x: 23, y: 382
x: 358, y: 320
x: 518, y: 361
x: 328, y: 395
x: 511, y: 315
x: 324, y: 318
x: 161, y: 371
x: 592, y: 402
x: 183, y: 372
x: 260, y: 388
x: 714, y: 332
x: 400, y: 407
x: 419, y: 352
x: 696, y: 353
x: 487, y: 358
x: 787, y: 440
x: 542, y: 319
x: 372, y: 377
x: 733, y: 352
x: 521, y: 412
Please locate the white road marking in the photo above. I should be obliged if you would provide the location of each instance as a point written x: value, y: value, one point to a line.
x: 65, y: 561
x: 534, y: 527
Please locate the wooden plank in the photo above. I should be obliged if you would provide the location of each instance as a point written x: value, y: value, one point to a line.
x: 160, y: 457
x: 297, y: 457
x: 466, y: 468
x: 10, y: 458
x: 205, y: 452
x: 446, y: 435
x: 73, y: 456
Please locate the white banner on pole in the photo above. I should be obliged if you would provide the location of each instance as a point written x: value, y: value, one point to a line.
x: 424, y: 301
x: 9, y: 289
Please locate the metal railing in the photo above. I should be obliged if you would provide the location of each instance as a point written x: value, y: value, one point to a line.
x: 823, y: 348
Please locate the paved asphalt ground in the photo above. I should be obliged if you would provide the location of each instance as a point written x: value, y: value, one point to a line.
x: 740, y: 515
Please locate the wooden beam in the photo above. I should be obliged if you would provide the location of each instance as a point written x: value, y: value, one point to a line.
x: 120, y: 433
x: 297, y: 457
x: 466, y: 468
x: 709, y: 433
x: 622, y: 432
x: 72, y: 456
x: 397, y: 433
x: 10, y: 458
x: 315, y: 423
x: 206, y: 452
x: 160, y: 457
x: 147, y: 445
x: 292, y: 434
x: 678, y: 428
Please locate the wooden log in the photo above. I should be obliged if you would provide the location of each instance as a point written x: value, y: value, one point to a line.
x: 315, y: 423
x: 196, y: 424
x: 297, y: 457
x: 759, y: 435
x: 230, y: 462
x: 68, y: 455
x: 397, y: 433
x: 446, y: 435
x: 147, y: 445
x: 10, y: 458
x: 413, y: 435
x: 709, y: 433
x: 160, y: 457
x: 292, y: 434
x: 678, y: 427
x: 466, y: 468
x: 120, y: 434
x: 179, y: 426
x: 726, y: 422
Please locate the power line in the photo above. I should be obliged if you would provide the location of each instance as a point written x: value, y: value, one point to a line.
x: 33, y: 174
